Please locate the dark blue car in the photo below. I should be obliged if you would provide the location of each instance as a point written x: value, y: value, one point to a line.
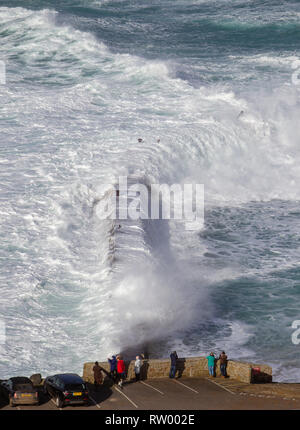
x: 66, y: 389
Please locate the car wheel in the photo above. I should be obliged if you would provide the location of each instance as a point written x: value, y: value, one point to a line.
x: 58, y: 401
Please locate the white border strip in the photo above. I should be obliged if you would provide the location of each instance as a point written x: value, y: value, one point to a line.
x: 153, y: 388
x: 126, y: 397
x: 192, y: 389
x: 219, y: 385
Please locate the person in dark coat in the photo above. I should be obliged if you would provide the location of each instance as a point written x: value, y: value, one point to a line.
x: 223, y: 364
x: 174, y: 358
x: 98, y: 375
x: 113, y: 367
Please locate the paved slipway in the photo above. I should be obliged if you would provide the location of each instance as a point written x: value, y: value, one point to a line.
x: 185, y: 394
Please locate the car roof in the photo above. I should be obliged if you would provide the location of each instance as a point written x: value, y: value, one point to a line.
x: 69, y: 378
x: 20, y: 380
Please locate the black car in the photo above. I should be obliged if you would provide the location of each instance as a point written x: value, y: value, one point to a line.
x: 19, y: 390
x: 66, y: 389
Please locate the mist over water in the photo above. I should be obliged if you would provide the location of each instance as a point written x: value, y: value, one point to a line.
x: 85, y: 80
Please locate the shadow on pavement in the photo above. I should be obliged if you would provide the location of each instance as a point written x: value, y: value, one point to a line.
x: 101, y: 392
x: 3, y: 400
x: 43, y: 398
x: 3, y: 403
x: 144, y: 370
x: 180, y: 366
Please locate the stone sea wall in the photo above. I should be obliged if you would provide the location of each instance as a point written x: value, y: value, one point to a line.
x: 189, y: 367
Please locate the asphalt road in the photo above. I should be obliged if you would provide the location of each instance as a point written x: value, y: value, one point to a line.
x: 166, y: 394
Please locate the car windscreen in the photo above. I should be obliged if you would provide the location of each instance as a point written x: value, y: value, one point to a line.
x: 23, y: 387
x: 20, y: 380
x: 74, y: 387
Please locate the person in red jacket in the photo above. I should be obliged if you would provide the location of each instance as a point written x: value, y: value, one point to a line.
x: 121, y: 370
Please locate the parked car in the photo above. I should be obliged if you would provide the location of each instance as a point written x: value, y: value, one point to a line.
x: 19, y: 390
x: 66, y: 389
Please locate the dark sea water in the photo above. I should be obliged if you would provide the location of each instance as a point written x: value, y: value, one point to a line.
x: 84, y: 80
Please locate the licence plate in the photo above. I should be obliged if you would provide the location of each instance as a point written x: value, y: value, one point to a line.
x: 26, y: 395
x: 77, y: 394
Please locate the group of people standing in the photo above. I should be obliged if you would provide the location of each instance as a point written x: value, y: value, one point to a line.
x: 212, y: 361
x: 117, y: 370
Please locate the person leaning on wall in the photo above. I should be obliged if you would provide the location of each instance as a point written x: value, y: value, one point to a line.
x: 137, y: 368
x: 211, y: 364
x: 223, y: 364
x: 173, y: 368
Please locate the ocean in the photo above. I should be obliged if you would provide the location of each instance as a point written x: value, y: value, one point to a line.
x: 84, y: 80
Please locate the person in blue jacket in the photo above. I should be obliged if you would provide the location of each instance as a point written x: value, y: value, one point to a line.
x: 211, y: 364
x: 113, y: 367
